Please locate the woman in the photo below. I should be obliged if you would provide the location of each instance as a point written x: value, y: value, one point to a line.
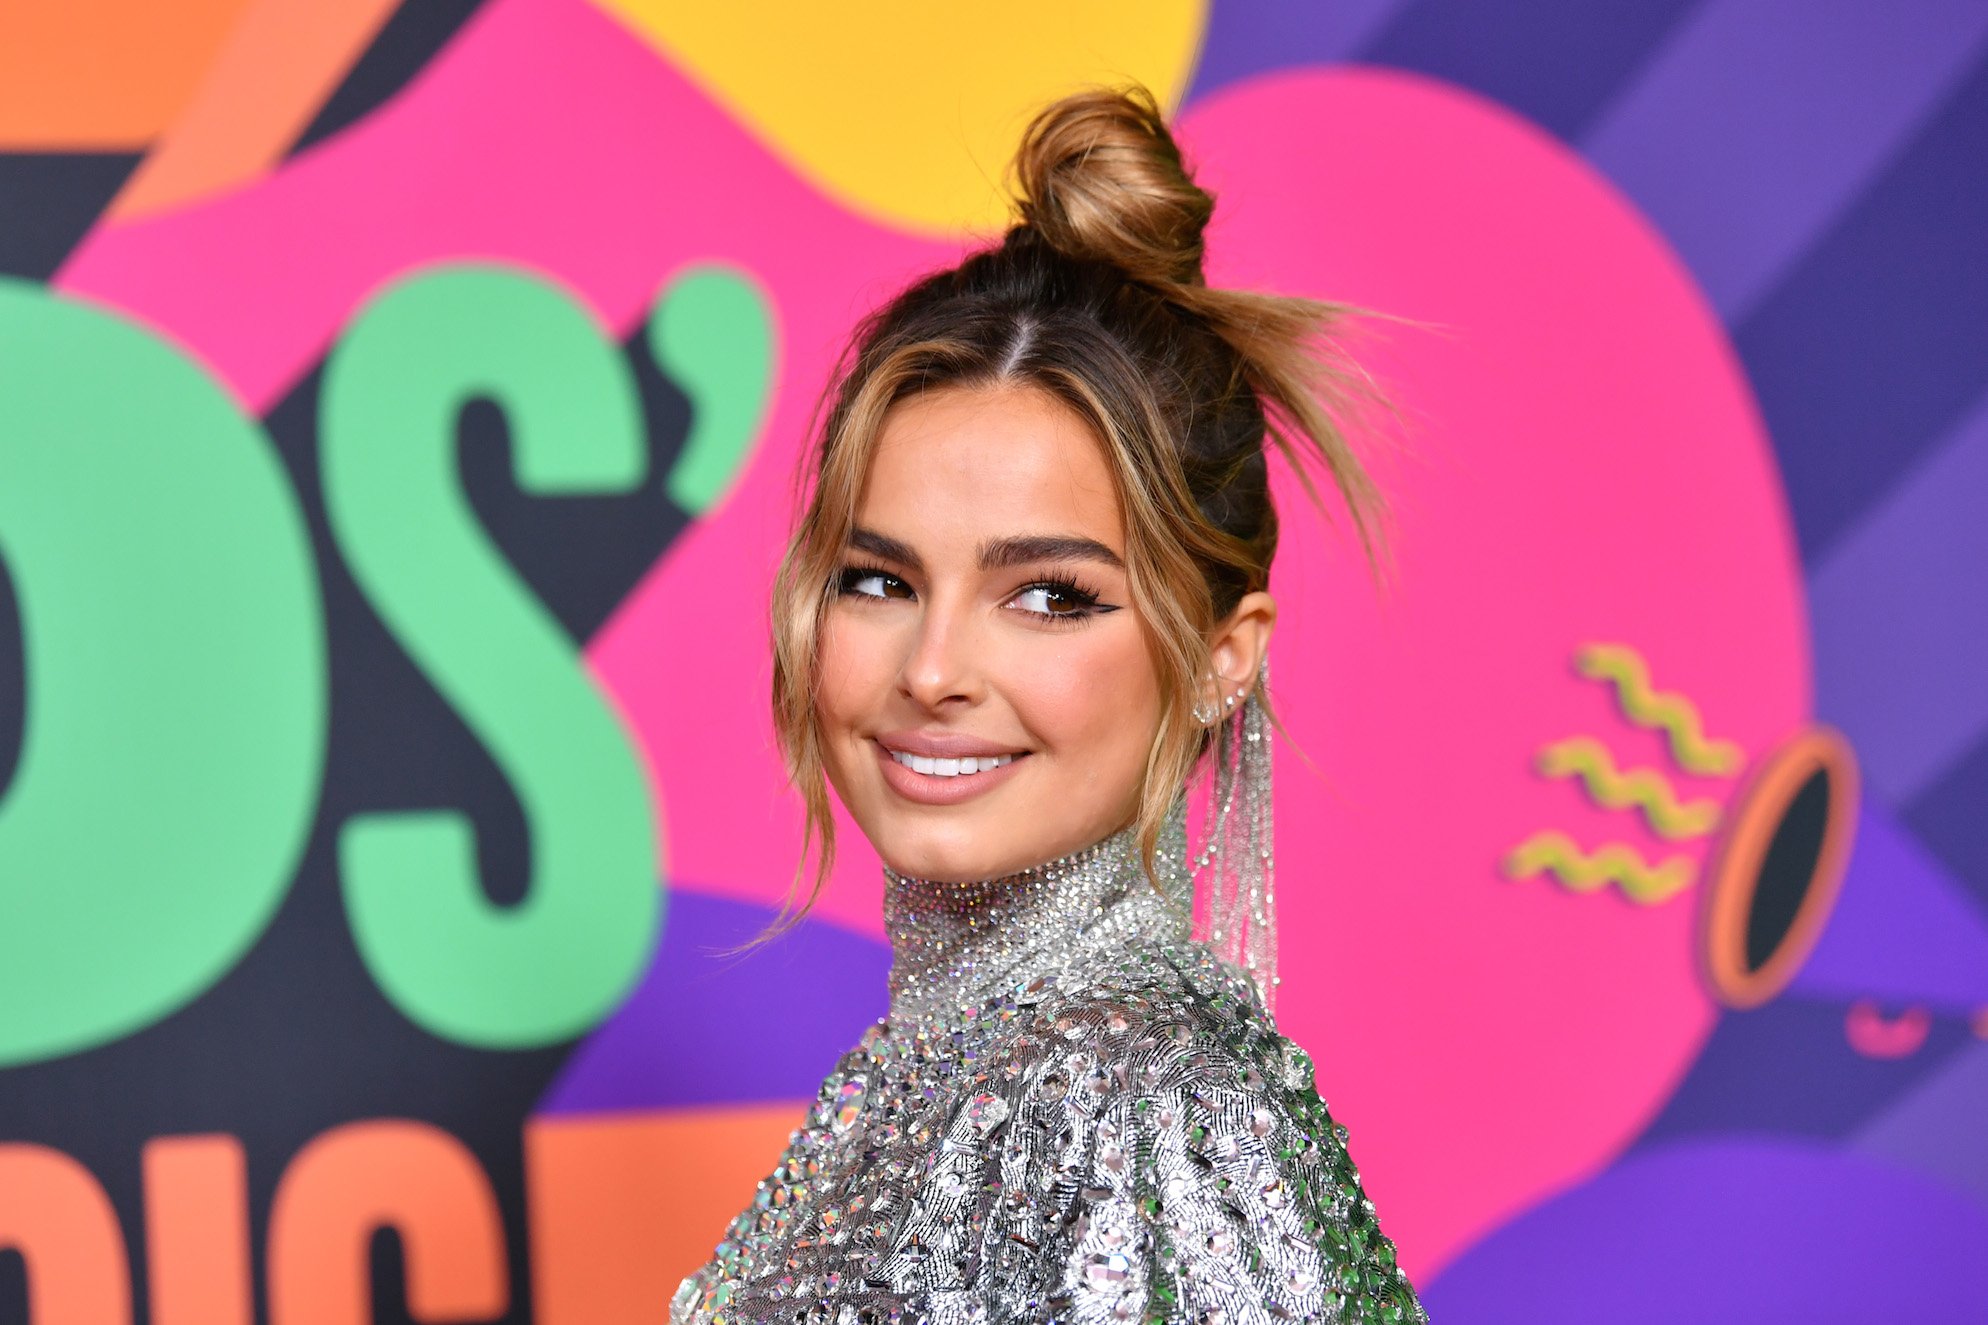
x: 1024, y: 609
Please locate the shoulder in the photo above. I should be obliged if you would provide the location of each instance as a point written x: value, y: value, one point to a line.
x: 1166, y: 1018
x: 1213, y: 1174
x: 1173, y: 1012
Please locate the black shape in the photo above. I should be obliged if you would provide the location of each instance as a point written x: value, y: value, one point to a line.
x: 1558, y: 64
x: 1869, y: 351
x: 581, y: 555
x: 13, y: 1288
x: 1818, y: 1086
x: 395, y: 743
x: 298, y: 1038
x: 13, y: 681
x: 49, y: 201
x: 1788, y: 870
x: 1951, y: 819
x: 401, y: 49
x: 386, y: 1269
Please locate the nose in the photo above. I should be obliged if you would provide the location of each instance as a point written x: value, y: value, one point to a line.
x: 943, y: 663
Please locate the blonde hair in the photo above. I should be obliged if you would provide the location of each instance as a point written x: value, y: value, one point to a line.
x: 1096, y: 297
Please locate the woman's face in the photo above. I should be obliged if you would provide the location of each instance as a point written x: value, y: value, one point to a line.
x: 987, y: 696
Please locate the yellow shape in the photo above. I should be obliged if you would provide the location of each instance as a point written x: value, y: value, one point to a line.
x: 1617, y: 862
x: 1645, y: 788
x: 910, y: 112
x: 1647, y: 706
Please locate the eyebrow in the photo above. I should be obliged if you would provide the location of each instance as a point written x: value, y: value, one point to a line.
x: 996, y: 553
x: 1002, y: 553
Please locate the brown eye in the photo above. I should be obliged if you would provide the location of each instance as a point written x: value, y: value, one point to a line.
x: 1048, y: 601
x: 1054, y: 599
x: 863, y: 582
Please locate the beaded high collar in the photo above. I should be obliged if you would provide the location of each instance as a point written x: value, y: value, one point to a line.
x: 955, y: 945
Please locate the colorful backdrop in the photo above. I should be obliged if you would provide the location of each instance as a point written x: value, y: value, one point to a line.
x: 397, y: 403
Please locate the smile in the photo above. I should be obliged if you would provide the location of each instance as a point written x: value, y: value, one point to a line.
x: 965, y: 766
x: 940, y: 780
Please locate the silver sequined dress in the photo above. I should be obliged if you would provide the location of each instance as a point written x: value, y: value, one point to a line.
x: 1071, y: 1112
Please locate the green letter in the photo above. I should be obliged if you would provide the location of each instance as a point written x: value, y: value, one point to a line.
x: 174, y: 734
x: 711, y: 333
x: 559, y: 961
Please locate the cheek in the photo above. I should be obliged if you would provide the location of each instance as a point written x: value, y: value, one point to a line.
x: 855, y: 671
x: 1100, y: 702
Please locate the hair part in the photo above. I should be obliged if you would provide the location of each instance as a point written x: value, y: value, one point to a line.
x: 1098, y: 299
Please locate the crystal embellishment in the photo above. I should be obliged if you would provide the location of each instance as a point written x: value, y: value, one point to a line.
x: 1071, y: 1111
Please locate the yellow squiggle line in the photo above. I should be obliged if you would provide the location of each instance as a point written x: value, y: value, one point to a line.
x: 1645, y: 788
x: 1648, y: 707
x: 1556, y: 853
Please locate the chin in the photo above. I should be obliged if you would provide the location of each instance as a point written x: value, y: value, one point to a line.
x: 946, y: 843
x: 980, y: 839
x: 949, y: 853
x: 967, y: 851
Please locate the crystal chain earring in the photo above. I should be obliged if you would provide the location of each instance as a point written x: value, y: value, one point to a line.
x: 1237, y: 857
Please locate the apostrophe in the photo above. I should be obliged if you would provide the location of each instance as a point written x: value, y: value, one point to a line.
x: 712, y: 333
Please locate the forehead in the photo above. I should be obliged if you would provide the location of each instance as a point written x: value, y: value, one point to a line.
x: 961, y: 463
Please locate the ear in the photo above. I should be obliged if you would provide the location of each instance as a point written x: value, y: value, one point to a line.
x: 1236, y: 652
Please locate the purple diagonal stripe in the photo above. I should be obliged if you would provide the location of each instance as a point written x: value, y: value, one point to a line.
x: 1899, y: 609
x: 1760, y: 120
x: 1903, y: 929
x: 1244, y: 37
x: 704, y: 1029
x: 1937, y: 1128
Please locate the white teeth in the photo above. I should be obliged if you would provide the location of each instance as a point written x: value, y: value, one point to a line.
x: 950, y: 768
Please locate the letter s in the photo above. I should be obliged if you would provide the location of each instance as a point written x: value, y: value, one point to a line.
x: 455, y: 963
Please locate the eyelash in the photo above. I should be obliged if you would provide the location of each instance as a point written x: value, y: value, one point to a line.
x: 1086, y: 599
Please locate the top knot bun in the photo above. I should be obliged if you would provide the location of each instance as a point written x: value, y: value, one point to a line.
x: 1101, y: 177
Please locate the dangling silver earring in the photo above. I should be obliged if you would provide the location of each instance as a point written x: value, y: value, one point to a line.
x: 1241, y: 906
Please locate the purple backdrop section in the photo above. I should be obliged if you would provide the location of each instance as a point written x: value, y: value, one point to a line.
x: 1937, y: 1129
x: 1711, y: 1232
x: 1757, y: 121
x: 1902, y: 928
x: 706, y: 1029
x: 1900, y: 610
x: 1245, y: 37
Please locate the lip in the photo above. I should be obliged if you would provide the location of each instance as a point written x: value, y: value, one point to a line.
x: 926, y: 789
x: 943, y: 745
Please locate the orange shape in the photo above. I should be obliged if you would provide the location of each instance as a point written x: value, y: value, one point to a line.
x: 268, y: 80
x: 622, y: 1207
x: 56, y: 1215
x: 411, y: 1177
x: 103, y: 75
x: 1766, y: 908
x: 196, y: 1231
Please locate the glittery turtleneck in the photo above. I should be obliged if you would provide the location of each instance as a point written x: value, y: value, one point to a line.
x: 955, y: 945
x: 1072, y: 1112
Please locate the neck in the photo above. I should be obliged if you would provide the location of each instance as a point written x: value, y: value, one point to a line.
x: 955, y: 945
